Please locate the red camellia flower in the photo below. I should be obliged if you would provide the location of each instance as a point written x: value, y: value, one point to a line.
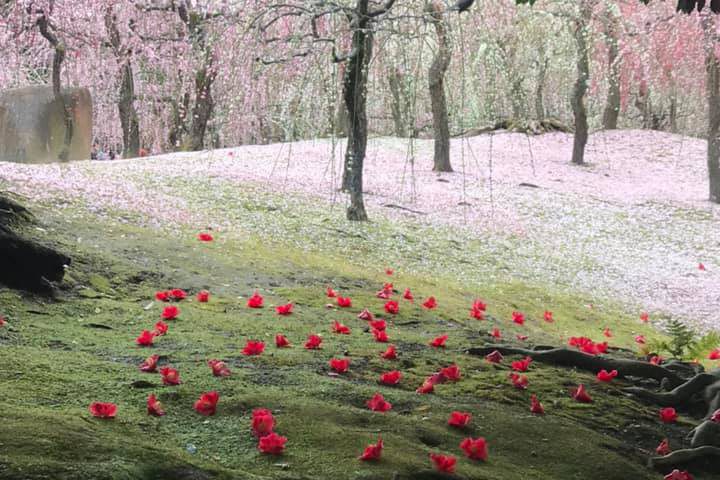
x: 715, y: 354
x: 519, y: 381
x: 408, y: 295
x: 205, y: 237
x: 430, y: 303
x: 253, y: 347
x: 522, y: 338
x: 219, y: 369
x: 161, y: 328
x: 664, y: 448
x: 518, y: 317
x: 459, y: 419
x: 607, y: 333
x: 439, y: 342
x: 207, y: 403
x: 378, y: 324
x: 162, y: 296
x: 313, y: 342
x: 428, y: 386
x: 605, y: 376
x: 170, y: 312
x: 496, y: 333
x: 3, y: 322
x: 154, y: 407
x: 601, y: 347
x: 475, y: 448
x: 548, y: 316
x: 580, y: 395
x: 281, y: 341
x: 381, y: 336
x: 535, y: 406
x: 678, y: 475
x: 284, y: 309
x: 203, y: 296
x: 150, y: 364
x: 443, y: 463
x: 668, y: 415
x: 715, y: 416
x: 344, y: 302
x: 255, y: 301
x: 389, y: 271
x: 494, y: 357
x: 390, y: 353
x: 477, y: 314
x: 366, y: 315
x: 701, y: 267
x: 103, y: 410
x: 145, y: 339
x: 451, y: 373
x: 392, y: 307
x: 178, y: 294
x: 339, y: 365
x: 391, y: 378
x: 521, y: 365
x: 340, y: 328
x: 372, y: 452
x: 263, y: 422
x: 656, y: 360
x: 386, y: 292
x: 330, y: 293
x: 479, y: 305
x: 378, y: 404
x: 644, y: 317
x: 640, y: 339
x: 272, y: 444
x: 170, y: 376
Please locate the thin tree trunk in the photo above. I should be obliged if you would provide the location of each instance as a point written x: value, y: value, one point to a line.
x: 126, y: 98
x: 540, y: 84
x: 395, y: 81
x: 612, y: 102
x: 436, y: 84
x: 203, y: 108
x: 712, y: 87
x: 581, y: 85
x: 58, y: 58
x: 355, y: 95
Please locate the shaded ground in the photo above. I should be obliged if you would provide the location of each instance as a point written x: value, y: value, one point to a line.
x: 58, y: 356
x: 631, y: 226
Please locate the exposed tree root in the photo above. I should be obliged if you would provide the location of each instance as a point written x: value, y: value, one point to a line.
x: 680, y: 395
x: 681, y: 457
x: 575, y: 358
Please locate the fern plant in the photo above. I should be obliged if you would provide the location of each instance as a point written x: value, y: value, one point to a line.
x: 683, y: 340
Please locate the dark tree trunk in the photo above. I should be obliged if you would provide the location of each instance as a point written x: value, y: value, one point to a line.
x: 612, y: 102
x: 395, y: 81
x: 581, y: 85
x: 126, y: 98
x: 540, y: 85
x: 712, y: 87
x: 203, y: 108
x: 355, y: 95
x: 436, y: 84
x: 58, y: 58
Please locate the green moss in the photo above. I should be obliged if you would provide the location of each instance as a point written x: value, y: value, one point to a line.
x: 57, y: 357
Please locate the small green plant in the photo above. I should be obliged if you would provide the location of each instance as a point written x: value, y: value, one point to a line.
x: 683, y: 340
x: 704, y: 345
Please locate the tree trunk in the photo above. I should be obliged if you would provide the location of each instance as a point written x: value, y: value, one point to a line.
x: 712, y: 87
x: 612, y: 103
x: 581, y: 85
x: 395, y: 81
x: 203, y: 108
x: 540, y: 84
x: 355, y: 95
x: 178, y: 126
x: 436, y: 84
x: 58, y: 58
x: 126, y: 98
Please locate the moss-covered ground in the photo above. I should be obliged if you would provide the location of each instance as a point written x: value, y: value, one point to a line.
x: 57, y: 356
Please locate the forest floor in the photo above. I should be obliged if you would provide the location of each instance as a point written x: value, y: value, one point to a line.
x: 131, y: 229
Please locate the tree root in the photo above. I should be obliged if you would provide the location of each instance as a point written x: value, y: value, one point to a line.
x: 680, y: 457
x: 575, y: 358
x: 680, y: 395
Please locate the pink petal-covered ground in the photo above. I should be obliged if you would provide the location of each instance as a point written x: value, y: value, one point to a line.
x: 632, y: 225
